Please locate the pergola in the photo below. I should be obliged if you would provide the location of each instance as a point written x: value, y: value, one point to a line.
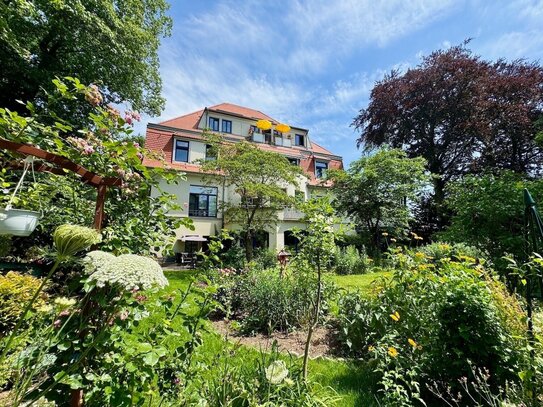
x: 58, y: 165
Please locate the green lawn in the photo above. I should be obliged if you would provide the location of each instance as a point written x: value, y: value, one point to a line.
x: 347, y: 379
x: 362, y: 282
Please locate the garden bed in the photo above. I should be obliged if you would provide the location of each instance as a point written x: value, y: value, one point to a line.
x: 323, y: 342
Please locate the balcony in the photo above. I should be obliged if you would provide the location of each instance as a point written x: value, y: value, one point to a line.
x: 283, y: 141
x: 292, y: 214
x: 258, y: 137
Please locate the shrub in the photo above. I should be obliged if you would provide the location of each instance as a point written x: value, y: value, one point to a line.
x: 442, y: 250
x: 265, y: 259
x: 348, y: 260
x: 16, y: 290
x: 234, y: 257
x: 263, y: 301
x: 434, y: 321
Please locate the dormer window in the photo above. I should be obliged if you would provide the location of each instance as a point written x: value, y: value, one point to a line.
x: 226, y: 126
x: 214, y: 124
x: 181, y: 151
x: 299, y: 140
x: 320, y: 168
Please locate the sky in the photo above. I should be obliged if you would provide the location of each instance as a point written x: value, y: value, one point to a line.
x: 312, y: 64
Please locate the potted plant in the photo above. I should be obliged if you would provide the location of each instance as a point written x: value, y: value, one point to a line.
x: 19, y: 222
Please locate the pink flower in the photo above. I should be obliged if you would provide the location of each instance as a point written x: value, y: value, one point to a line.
x: 87, y: 150
x: 64, y: 313
x: 57, y: 323
x: 137, y: 145
x: 140, y: 156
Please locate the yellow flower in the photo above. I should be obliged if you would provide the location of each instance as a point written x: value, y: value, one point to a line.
x: 412, y: 342
x: 418, y: 238
x: 393, y: 240
x: 371, y: 348
x: 392, y: 352
x: 384, y: 234
x: 395, y: 316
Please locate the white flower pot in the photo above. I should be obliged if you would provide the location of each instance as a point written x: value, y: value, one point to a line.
x: 18, y: 222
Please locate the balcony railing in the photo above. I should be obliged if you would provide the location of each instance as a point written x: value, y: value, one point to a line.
x: 202, y: 213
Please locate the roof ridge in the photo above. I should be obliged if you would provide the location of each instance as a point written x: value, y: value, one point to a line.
x: 242, y: 107
x: 324, y: 148
x: 179, y: 117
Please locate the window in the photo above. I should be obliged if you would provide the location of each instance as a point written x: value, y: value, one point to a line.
x: 214, y: 124
x: 299, y: 140
x: 227, y: 126
x: 203, y: 201
x: 181, y: 151
x: 211, y: 154
x: 293, y: 161
x: 320, y: 168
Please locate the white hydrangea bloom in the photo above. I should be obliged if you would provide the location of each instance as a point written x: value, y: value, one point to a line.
x: 276, y: 372
x: 97, y: 260
x: 128, y: 270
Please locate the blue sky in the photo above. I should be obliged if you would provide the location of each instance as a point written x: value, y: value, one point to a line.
x: 313, y: 63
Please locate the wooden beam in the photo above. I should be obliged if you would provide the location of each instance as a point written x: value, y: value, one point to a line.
x: 87, y: 176
x: 99, y: 211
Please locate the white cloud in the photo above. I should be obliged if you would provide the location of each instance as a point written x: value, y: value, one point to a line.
x: 270, y: 56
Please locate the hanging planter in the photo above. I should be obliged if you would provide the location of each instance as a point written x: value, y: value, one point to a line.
x: 19, y: 222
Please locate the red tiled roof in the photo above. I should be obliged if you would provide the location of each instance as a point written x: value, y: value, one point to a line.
x: 187, y: 121
x: 242, y: 111
x: 316, y: 148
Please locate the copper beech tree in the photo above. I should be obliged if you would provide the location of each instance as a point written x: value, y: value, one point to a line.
x: 461, y: 113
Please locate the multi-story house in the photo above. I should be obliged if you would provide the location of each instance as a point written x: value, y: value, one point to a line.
x: 200, y: 195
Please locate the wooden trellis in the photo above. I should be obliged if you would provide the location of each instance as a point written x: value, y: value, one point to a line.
x: 60, y: 165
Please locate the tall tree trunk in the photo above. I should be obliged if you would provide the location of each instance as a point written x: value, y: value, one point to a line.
x: 249, y: 245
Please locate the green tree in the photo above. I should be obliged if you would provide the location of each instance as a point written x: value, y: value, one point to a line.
x: 259, y: 180
x: 488, y: 213
x: 461, y: 113
x: 375, y: 190
x: 110, y: 43
x: 317, y: 248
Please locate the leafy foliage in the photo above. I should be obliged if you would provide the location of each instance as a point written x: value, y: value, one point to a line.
x: 488, y: 213
x: 265, y: 301
x: 17, y: 289
x: 110, y: 43
x: 256, y: 384
x: 461, y: 113
x: 258, y: 178
x: 375, y: 189
x: 135, y: 221
x: 434, y: 321
x: 349, y: 260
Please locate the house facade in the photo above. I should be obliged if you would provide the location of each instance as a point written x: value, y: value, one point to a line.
x: 183, y: 146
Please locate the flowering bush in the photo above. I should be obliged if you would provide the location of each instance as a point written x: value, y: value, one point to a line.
x: 432, y: 322
x: 129, y: 271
